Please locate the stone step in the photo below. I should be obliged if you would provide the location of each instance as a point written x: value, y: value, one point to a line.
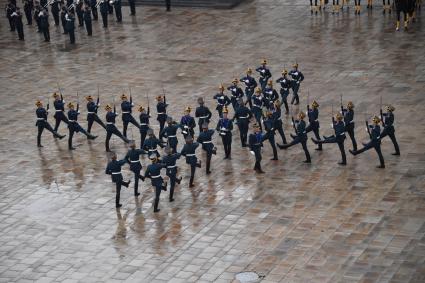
x: 219, y: 4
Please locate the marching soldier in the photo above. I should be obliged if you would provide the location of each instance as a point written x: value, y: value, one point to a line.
x: 55, y: 11
x: 375, y: 141
x: 70, y: 26
x: 313, y: 121
x: 349, y: 122
x: 243, y: 116
x: 236, y: 93
x: 42, y: 123
x: 59, y: 105
x: 339, y: 137
x: 118, y: 13
x: 10, y: 9
x: 205, y: 138
x: 73, y: 125
x: 80, y: 13
x: 402, y: 6
x: 63, y: 19
x: 187, y: 123
x: 168, y: 5
x: 386, y: 7
x: 93, y: 6
x: 315, y: 9
x: 37, y: 13
x: 203, y: 113
x: 92, y: 108
x: 357, y: 7
x: 104, y: 9
x: 285, y: 85
x: 87, y: 20
x: 301, y: 136
x: 250, y: 85
x: 270, y: 94
x: 153, y: 171
x: 265, y: 74
x: 132, y: 5
x: 225, y: 127
x: 222, y: 100
x: 43, y: 18
x: 170, y: 132
x: 270, y: 132
x: 114, y: 169
x: 127, y: 118
x: 170, y: 160
x: 258, y: 102
x: 144, y: 124
x: 151, y: 144
x: 297, y: 78
x: 188, y: 151
x: 255, y: 144
x: 161, y: 109
x: 28, y: 7
x: 277, y: 118
x: 111, y: 128
x: 133, y: 158
x: 17, y: 18
x: 388, y: 124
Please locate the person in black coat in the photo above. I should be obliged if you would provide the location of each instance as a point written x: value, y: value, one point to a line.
x: 168, y: 5
x: 44, y: 25
x: 132, y: 5
x: 28, y: 7
x: 114, y: 169
x: 42, y: 122
x: 80, y: 12
x: 104, y: 9
x: 388, y: 124
x: 17, y: 18
x: 55, y: 11
x: 70, y: 26
x: 10, y: 9
x: 87, y: 20
x: 118, y: 12
x: 93, y: 6
x: 63, y: 19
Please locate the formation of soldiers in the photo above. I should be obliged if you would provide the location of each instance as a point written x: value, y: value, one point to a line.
x: 65, y: 13
x: 259, y: 104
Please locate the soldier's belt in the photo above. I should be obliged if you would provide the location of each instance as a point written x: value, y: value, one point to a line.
x: 162, y: 113
x: 244, y: 117
x: 170, y: 167
x: 151, y: 149
x: 171, y: 137
x: 203, y: 117
x: 191, y: 154
x: 72, y: 121
x: 157, y: 176
x: 207, y: 142
x: 134, y: 161
x: 143, y: 124
x: 125, y: 112
x: 221, y: 104
x: 116, y: 173
x: 110, y: 123
x: 39, y: 119
x: 59, y: 110
x: 91, y: 112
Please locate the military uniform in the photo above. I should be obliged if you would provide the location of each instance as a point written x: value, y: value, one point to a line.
x: 270, y: 95
x: 161, y: 109
x: 265, y: 74
x: 153, y: 171
x: 258, y: 102
x: 144, y: 124
x: 111, y: 128
x: 236, y: 93
x: 188, y: 151
x: 225, y: 127
x: 270, y: 132
x: 10, y: 9
x: 313, y: 121
x: 92, y: 117
x: 187, y: 124
x: 203, y: 113
x: 127, y: 118
x: 133, y: 158
x: 170, y: 132
x: 28, y: 7
x: 59, y: 105
x: 80, y: 13
x: 55, y: 11
x: 151, y: 144
x: 222, y: 100
x: 93, y: 7
x: 118, y: 12
x: 104, y: 9
x: 388, y: 123
x: 132, y: 5
x: 301, y: 136
x: 277, y: 119
x: 348, y: 114
x: 70, y: 26
x: 297, y: 78
x: 17, y: 18
x: 44, y: 25
x: 74, y: 127
x: 114, y: 169
x: 205, y: 138
x: 63, y: 19
x: 255, y: 143
x: 375, y: 141
x: 250, y: 85
x: 170, y: 160
x: 243, y: 116
x: 42, y: 123
x: 88, y: 21
x: 285, y: 85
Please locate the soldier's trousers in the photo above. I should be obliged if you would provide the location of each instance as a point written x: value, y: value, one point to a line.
x: 94, y: 118
x: 80, y: 19
x: 71, y: 135
x: 270, y: 136
x: 295, y: 97
x: 46, y: 34
x: 279, y: 129
x: 89, y: 28
x: 60, y: 116
x: 257, y: 165
x: 142, y: 138
x: 377, y: 147
x: 158, y: 189
x: 109, y: 132
x: 168, y: 4
x: 28, y: 15
x: 208, y: 165
x: 11, y: 23
x: 20, y: 30
x: 105, y: 19
x: 303, y: 142
x: 41, y: 128
x: 129, y: 119
x: 391, y: 133
x: 136, y: 181
x: 350, y: 130
x: 132, y: 7
x: 340, y: 141
x: 72, y: 36
x: 172, y: 174
x: 56, y: 17
x: 249, y: 92
x: 263, y: 83
x: 192, y: 173
x: 118, y: 14
x: 118, y: 193
x: 243, y: 131
x: 315, y: 130
x: 94, y: 13
x: 227, y: 144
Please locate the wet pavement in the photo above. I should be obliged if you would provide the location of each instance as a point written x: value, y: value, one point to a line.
x: 296, y: 223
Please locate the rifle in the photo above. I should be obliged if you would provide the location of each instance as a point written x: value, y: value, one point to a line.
x: 380, y: 111
x: 48, y: 103
x: 131, y: 98
x: 98, y: 96
x: 60, y: 92
x: 308, y: 98
x: 340, y: 100
x: 78, y: 101
x: 115, y: 108
x: 163, y: 93
x: 147, y: 97
x: 293, y: 120
x: 367, y: 126
x: 333, y: 119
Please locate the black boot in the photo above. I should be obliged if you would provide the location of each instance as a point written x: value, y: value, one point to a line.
x: 155, y: 206
x: 125, y: 184
x: 353, y: 152
x: 164, y: 187
x: 284, y: 146
x: 198, y: 164
x: 178, y: 180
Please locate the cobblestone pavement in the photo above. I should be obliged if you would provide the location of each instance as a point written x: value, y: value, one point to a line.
x: 296, y: 223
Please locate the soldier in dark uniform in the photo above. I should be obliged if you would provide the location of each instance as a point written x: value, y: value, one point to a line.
x: 17, y: 17
x: 375, y: 141
x: 339, y: 137
x: 80, y: 12
x: 44, y: 25
x: 92, y: 108
x: 63, y: 19
x: 225, y: 127
x: 133, y: 158
x: 93, y: 6
x: 265, y: 74
x: 301, y: 136
x: 250, y: 85
x: 270, y: 94
x: 73, y: 125
x: 285, y: 85
x: 151, y: 144
x: 349, y: 122
x: 402, y: 6
x: 203, y: 113
x: 188, y: 151
x: 205, y: 138
x: 170, y: 160
x: 104, y: 9
x: 132, y: 5
x: 255, y: 143
x: 258, y: 102
x: 243, y: 116
x: 222, y: 100
x: 277, y: 118
x: 110, y: 7
x: 87, y: 20
x: 144, y: 124
x: 70, y: 26
x: 37, y: 14
x: 170, y: 132
x: 55, y: 11
x: 10, y: 9
x: 111, y: 128
x: 118, y: 13
x: 42, y: 122
x: 388, y: 124
x: 28, y: 7
x: 236, y: 93
x: 313, y: 121
x: 59, y: 105
x: 297, y: 78
x: 153, y: 171
x: 114, y: 169
x: 168, y: 5
x: 161, y: 109
x: 127, y: 118
x: 270, y: 132
x: 187, y: 123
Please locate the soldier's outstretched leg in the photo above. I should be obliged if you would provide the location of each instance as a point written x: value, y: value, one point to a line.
x: 396, y: 147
